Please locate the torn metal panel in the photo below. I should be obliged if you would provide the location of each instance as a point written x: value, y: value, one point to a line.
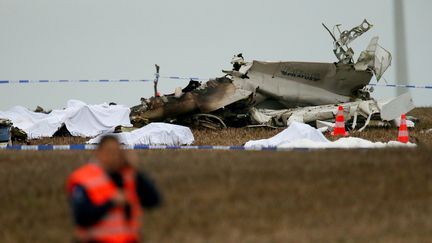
x: 346, y: 37
x: 367, y: 109
x: 322, y: 112
x: 394, y: 108
x: 375, y: 57
x: 303, y: 83
x: 341, y: 49
x: 367, y: 57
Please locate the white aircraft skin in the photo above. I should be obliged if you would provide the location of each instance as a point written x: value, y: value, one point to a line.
x: 296, y: 84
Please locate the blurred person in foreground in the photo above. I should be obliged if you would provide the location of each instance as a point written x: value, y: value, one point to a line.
x: 108, y: 194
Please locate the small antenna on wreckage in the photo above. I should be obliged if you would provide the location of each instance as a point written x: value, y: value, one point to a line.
x: 331, y: 34
x: 156, y: 80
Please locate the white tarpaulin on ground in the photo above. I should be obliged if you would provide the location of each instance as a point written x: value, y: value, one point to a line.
x: 156, y: 133
x: 300, y: 135
x: 79, y: 118
x: 296, y: 131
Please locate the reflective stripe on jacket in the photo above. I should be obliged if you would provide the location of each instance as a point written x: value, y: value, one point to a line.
x: 114, y: 226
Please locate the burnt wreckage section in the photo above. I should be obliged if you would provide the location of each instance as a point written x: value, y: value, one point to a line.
x: 276, y: 93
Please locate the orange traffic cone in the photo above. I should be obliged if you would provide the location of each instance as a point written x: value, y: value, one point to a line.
x: 403, y: 130
x: 339, y: 129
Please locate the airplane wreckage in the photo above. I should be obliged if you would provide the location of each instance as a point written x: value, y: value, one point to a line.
x: 259, y: 93
x: 274, y: 94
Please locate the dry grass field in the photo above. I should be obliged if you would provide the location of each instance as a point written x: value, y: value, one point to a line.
x: 243, y: 196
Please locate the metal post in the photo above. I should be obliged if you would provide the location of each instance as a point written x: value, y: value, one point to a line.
x: 400, y: 44
x: 156, y: 80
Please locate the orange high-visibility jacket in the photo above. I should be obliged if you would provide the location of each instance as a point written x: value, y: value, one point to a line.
x: 113, y: 227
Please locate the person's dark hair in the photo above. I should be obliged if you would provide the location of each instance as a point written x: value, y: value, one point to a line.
x: 107, y: 138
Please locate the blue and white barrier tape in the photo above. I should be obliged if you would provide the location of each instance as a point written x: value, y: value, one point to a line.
x: 26, y: 81
x: 143, y: 147
x: 185, y: 78
x: 410, y: 86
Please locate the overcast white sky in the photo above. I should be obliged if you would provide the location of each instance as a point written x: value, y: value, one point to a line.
x: 111, y: 39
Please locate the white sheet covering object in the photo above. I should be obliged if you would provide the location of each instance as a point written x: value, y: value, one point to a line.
x: 80, y: 119
x: 156, y: 133
x: 299, y: 135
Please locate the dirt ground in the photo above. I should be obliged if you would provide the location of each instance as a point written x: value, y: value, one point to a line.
x: 239, y: 196
x: 382, y: 195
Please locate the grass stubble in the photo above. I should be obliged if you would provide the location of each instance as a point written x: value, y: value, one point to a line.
x: 382, y: 195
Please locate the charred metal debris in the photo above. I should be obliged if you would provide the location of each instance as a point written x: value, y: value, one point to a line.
x: 277, y: 93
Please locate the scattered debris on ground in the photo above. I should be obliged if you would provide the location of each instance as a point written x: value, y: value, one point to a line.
x: 251, y: 94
